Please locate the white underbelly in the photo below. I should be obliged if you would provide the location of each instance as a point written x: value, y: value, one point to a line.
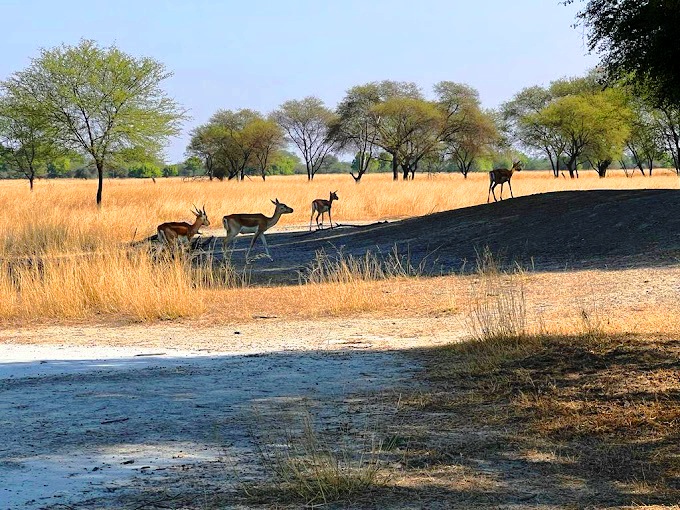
x: 248, y: 230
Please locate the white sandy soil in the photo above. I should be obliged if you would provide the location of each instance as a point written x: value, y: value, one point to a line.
x: 87, y: 417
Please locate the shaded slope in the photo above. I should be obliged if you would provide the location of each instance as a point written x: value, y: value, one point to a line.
x: 601, y: 228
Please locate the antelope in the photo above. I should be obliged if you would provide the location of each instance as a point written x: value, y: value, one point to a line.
x: 321, y: 206
x: 501, y: 176
x: 181, y: 231
x: 258, y: 224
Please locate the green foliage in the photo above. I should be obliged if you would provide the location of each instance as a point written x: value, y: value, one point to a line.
x: 593, y: 126
x: 638, y: 42
x: 99, y: 101
x: 27, y: 140
x: 233, y: 142
x: 144, y: 170
x: 284, y: 163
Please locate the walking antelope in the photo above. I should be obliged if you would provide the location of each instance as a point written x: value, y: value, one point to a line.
x: 236, y: 224
x: 174, y: 231
x: 501, y: 176
x: 321, y: 206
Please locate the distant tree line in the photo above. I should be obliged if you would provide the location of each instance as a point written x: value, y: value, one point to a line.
x: 88, y: 111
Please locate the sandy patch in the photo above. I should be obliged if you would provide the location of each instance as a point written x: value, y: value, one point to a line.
x: 89, y: 425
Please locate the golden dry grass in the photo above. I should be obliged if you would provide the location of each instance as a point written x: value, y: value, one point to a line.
x: 72, y: 262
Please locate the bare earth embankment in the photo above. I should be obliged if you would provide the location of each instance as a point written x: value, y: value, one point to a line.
x: 172, y: 415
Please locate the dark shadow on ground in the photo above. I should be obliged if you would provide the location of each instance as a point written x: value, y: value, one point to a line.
x: 550, y: 231
x: 602, y: 407
x: 571, y: 421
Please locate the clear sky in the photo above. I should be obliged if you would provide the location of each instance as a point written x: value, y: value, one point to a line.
x: 257, y: 54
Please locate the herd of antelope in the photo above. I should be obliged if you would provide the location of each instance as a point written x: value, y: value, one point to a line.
x: 175, y: 232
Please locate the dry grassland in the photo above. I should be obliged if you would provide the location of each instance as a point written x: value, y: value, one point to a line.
x: 66, y: 260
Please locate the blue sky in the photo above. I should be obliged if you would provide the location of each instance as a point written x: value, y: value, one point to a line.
x: 258, y: 54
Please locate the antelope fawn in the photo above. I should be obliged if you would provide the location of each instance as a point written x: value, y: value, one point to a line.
x: 320, y: 207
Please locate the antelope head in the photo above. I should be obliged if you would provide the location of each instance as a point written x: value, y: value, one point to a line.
x: 334, y: 196
x: 281, y: 208
x: 201, y: 216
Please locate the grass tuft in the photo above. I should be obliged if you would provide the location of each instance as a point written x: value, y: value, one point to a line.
x: 306, y: 469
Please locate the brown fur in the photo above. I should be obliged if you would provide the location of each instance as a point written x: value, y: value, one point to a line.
x: 321, y: 206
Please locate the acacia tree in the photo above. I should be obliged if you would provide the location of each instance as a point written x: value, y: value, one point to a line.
x: 645, y: 143
x: 467, y: 132
x: 594, y: 126
x: 668, y: 122
x: 475, y: 139
x: 523, y: 124
x: 361, y: 127
x: 204, y: 145
x: 308, y: 125
x: 26, y: 140
x: 354, y: 127
x: 267, y: 138
x: 100, y: 101
x: 235, y: 139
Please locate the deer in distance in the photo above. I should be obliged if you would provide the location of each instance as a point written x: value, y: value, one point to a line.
x: 320, y: 207
x: 258, y: 224
x: 501, y: 176
x: 180, y: 231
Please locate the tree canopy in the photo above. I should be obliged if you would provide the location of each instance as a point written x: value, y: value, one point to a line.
x: 99, y: 101
x: 638, y: 41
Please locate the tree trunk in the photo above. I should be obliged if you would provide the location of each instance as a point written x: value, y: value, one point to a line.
x: 554, y: 166
x: 602, y: 167
x: 395, y: 168
x: 30, y: 182
x: 571, y: 166
x: 357, y: 178
x: 100, y: 176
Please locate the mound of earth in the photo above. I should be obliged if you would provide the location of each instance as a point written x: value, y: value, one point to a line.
x: 549, y: 231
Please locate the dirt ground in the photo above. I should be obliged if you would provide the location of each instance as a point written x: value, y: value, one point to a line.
x: 170, y: 415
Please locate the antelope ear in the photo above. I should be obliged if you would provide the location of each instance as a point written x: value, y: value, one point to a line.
x: 274, y: 202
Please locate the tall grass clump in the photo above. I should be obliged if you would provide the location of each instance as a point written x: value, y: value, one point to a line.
x: 342, y: 268
x: 496, y: 318
x: 497, y: 308
x: 306, y: 469
x: 133, y: 284
x: 140, y: 284
x: 343, y: 283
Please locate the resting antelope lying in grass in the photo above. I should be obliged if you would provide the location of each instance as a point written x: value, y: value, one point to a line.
x: 181, y: 231
x: 258, y: 224
x: 321, y: 206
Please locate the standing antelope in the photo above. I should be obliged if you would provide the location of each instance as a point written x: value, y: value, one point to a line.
x: 180, y: 231
x: 501, y: 176
x: 236, y: 224
x: 321, y: 206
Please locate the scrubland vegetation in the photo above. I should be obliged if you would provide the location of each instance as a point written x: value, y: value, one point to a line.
x: 65, y: 259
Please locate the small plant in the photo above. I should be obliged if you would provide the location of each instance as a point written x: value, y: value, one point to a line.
x: 500, y: 312
x: 307, y: 469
